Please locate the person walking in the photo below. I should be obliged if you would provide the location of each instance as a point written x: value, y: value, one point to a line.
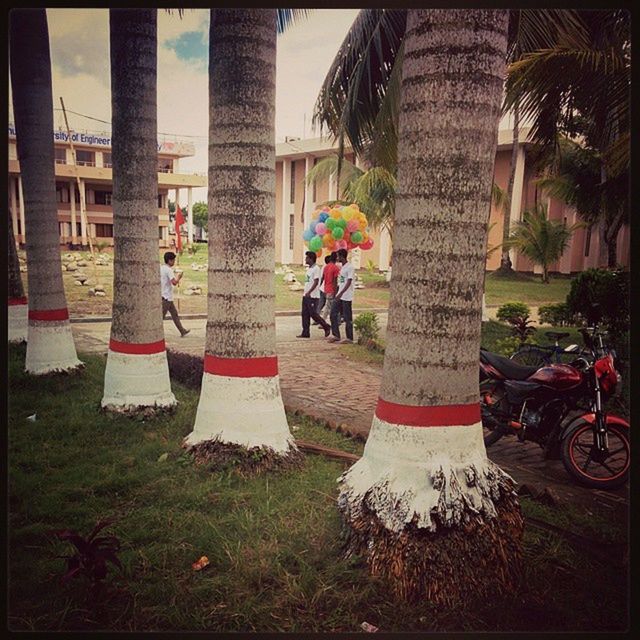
x: 311, y: 296
x: 343, y: 300
x: 329, y: 282
x: 168, y: 280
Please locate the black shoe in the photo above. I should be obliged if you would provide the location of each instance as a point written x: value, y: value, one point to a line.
x: 302, y: 336
x: 184, y: 333
x: 327, y: 331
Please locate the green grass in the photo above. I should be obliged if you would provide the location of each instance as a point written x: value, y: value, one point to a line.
x: 273, y: 541
x: 526, y: 288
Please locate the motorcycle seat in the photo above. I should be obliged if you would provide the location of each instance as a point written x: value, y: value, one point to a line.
x: 508, y: 368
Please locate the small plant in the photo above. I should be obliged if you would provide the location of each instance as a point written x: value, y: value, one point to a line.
x: 371, y: 266
x: 193, y: 248
x: 101, y: 246
x: 366, y: 324
x: 557, y: 315
x: 91, y: 556
x: 510, y: 310
x: 517, y: 315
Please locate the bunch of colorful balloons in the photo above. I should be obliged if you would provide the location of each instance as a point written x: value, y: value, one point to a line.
x: 337, y: 227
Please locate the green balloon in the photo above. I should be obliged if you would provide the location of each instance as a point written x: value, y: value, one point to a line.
x: 315, y: 243
x: 356, y: 237
x: 330, y: 223
x: 342, y: 223
x: 337, y: 232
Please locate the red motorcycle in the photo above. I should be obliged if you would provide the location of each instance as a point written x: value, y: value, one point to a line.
x: 560, y: 407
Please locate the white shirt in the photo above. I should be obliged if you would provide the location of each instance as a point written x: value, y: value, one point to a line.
x: 312, y: 273
x: 166, y: 276
x: 347, y: 271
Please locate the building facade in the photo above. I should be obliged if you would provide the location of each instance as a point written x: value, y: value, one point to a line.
x: 88, y: 184
x: 296, y: 201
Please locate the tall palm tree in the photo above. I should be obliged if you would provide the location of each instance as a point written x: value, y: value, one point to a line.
x: 137, y: 372
x: 16, y: 300
x: 50, y: 345
x: 424, y: 505
x: 578, y: 85
x: 541, y: 240
x: 240, y: 401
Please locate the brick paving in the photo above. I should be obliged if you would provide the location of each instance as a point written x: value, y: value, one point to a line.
x: 317, y: 379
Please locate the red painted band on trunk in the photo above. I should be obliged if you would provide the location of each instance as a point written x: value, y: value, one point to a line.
x: 447, y: 415
x: 242, y: 367
x: 145, y: 348
x: 13, y: 301
x: 49, y: 315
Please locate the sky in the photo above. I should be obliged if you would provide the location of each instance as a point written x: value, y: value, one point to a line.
x: 79, y: 42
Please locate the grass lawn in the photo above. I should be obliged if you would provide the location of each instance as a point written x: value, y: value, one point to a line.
x: 521, y: 287
x: 273, y: 541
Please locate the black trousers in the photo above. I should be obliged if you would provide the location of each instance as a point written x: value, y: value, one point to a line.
x: 341, y: 307
x: 310, y: 310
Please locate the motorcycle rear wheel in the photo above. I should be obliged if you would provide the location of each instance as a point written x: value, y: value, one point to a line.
x: 491, y: 435
x: 582, y: 461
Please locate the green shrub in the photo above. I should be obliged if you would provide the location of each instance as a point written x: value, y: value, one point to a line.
x: 508, y: 346
x: 557, y: 315
x: 511, y: 310
x: 609, y: 289
x: 366, y: 324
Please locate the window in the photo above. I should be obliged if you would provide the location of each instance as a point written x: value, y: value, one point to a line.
x: 587, y: 242
x: 162, y: 201
x: 160, y: 233
x: 102, y: 197
x: 106, y: 160
x: 104, y: 231
x: 165, y: 165
x: 291, y: 225
x: 61, y: 155
x: 85, y: 158
x: 292, y: 195
x: 314, y: 196
x: 62, y: 192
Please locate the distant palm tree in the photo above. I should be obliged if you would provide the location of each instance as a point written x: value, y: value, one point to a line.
x: 541, y: 240
x: 240, y: 401
x: 373, y: 190
x: 137, y: 372
x: 17, y: 302
x: 50, y: 345
x: 424, y: 506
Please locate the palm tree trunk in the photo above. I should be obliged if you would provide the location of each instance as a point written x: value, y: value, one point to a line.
x: 137, y: 372
x: 505, y: 260
x: 16, y: 300
x: 50, y: 345
x: 240, y: 401
x: 424, y: 505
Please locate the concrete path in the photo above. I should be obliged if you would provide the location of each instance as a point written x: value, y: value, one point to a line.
x: 319, y: 380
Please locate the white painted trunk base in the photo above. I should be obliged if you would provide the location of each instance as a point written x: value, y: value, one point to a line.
x: 244, y: 411
x: 18, y: 319
x: 421, y: 471
x: 134, y: 381
x: 50, y: 348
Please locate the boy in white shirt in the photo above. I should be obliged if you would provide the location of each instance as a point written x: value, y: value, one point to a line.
x: 311, y: 296
x: 168, y: 280
x: 343, y: 301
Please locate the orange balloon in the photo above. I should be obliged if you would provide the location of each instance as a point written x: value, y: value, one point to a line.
x: 319, y: 253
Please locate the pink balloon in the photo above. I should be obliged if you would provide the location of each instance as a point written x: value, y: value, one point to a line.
x: 367, y: 244
x: 353, y: 225
x: 321, y: 228
x: 341, y: 244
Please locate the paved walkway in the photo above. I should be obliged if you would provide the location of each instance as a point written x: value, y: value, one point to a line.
x: 317, y: 379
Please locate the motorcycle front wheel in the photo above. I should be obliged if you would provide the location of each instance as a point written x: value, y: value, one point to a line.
x: 590, y: 467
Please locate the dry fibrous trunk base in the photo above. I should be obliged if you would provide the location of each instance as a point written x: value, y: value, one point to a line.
x: 480, y: 556
x: 133, y: 411
x: 219, y: 456
x: 57, y: 373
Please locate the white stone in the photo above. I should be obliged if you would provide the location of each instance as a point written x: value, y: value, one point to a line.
x: 244, y: 411
x: 50, y: 348
x: 72, y: 266
x: 98, y: 287
x: 397, y: 475
x: 133, y: 380
x: 100, y: 294
x: 23, y: 268
x: 18, y: 322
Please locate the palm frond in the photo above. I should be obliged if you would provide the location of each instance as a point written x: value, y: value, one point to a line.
x: 286, y: 18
